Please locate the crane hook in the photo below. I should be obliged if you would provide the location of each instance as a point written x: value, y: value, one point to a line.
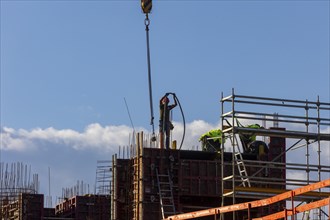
x: 146, y: 6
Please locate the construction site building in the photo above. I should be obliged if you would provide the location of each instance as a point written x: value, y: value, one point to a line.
x: 84, y: 207
x: 26, y: 207
x: 20, y: 200
x: 189, y: 181
x: 154, y: 183
x: 232, y: 181
x: 31, y: 207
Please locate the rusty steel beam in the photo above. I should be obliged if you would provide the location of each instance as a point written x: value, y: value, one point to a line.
x: 253, y: 204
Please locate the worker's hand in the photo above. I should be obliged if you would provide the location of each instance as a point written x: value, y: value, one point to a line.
x: 170, y: 93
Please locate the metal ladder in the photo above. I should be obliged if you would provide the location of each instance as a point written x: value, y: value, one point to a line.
x: 306, y: 215
x: 165, y: 191
x: 240, y: 164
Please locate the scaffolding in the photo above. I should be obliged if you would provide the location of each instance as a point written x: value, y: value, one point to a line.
x: 103, y: 177
x: 272, y: 193
x: 305, y: 121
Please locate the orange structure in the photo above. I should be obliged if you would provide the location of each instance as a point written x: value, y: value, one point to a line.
x: 266, y: 202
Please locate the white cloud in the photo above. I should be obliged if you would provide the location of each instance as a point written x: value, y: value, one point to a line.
x: 193, y: 131
x: 63, y: 148
x: 72, y: 154
x: 98, y: 137
x: 94, y: 136
x: 9, y: 141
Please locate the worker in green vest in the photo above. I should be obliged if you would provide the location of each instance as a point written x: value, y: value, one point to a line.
x: 212, y: 140
x: 246, y: 139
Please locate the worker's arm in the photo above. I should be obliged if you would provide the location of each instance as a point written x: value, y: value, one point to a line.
x: 175, y: 103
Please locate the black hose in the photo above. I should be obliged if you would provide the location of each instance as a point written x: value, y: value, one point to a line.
x: 183, y: 119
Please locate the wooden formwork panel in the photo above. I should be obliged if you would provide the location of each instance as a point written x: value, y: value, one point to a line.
x: 49, y: 212
x: 31, y: 206
x: 122, y: 182
x: 165, y: 161
x: 200, y: 177
x: 85, y: 207
x: 277, y: 145
x: 203, y: 177
x: 196, y: 178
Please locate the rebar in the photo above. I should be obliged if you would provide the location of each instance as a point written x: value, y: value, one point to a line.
x: 14, y: 180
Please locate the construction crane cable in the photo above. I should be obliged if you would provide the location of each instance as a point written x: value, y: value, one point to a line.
x: 147, y: 23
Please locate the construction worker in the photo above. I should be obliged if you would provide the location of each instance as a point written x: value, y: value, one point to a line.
x: 246, y: 139
x: 259, y: 148
x: 165, y: 124
x: 212, y: 140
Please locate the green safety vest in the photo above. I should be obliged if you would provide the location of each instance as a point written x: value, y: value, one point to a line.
x: 216, y: 134
x: 253, y: 126
x: 253, y: 137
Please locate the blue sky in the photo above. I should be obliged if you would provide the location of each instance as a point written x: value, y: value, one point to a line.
x: 66, y: 67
